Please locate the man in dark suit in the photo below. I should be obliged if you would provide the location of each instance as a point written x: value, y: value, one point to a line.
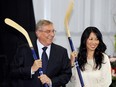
x: 25, y: 68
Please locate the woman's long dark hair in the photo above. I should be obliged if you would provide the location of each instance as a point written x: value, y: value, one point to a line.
x: 82, y: 56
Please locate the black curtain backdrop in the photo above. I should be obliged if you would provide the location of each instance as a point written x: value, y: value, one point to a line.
x: 21, y: 11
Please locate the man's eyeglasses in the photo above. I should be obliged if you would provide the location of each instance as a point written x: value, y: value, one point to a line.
x: 48, y: 31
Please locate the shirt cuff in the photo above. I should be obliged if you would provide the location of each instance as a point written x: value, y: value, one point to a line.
x: 32, y: 72
x: 50, y: 85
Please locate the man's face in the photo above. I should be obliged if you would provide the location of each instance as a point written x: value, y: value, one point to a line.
x: 46, y: 34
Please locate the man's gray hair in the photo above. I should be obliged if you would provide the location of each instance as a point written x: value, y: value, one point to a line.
x: 43, y: 22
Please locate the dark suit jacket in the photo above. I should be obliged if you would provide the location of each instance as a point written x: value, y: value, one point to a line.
x: 58, y: 69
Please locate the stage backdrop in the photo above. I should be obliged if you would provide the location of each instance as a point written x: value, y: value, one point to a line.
x: 20, y: 11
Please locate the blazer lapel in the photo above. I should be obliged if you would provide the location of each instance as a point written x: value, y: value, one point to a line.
x: 34, y: 39
x: 51, y: 57
x: 35, y: 48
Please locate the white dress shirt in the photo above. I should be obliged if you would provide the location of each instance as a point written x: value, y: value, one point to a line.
x: 40, y: 46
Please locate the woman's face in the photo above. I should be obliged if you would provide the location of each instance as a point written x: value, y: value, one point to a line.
x: 92, y: 42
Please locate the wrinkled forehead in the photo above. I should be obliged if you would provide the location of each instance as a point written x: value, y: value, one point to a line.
x: 46, y: 27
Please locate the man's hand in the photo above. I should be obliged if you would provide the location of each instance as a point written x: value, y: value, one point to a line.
x: 45, y: 79
x: 36, y: 65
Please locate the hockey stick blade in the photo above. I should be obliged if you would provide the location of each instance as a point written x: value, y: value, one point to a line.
x: 20, y: 29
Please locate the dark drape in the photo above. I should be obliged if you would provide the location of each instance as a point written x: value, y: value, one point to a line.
x: 21, y: 11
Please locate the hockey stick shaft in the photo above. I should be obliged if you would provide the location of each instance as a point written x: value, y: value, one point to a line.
x: 66, y: 22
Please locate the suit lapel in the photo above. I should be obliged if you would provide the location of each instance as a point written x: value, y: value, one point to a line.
x: 34, y: 39
x: 35, y: 48
x: 51, y: 57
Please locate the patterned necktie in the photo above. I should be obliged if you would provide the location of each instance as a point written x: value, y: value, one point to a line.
x: 44, y: 60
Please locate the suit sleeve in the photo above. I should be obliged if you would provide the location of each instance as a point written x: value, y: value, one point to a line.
x: 21, y: 65
x: 65, y: 73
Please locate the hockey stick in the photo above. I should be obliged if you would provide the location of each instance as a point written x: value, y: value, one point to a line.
x: 24, y: 32
x: 66, y: 21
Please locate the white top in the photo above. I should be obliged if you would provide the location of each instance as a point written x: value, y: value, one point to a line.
x: 91, y: 77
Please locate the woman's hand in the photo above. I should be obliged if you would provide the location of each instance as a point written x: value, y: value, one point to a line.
x: 73, y: 55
